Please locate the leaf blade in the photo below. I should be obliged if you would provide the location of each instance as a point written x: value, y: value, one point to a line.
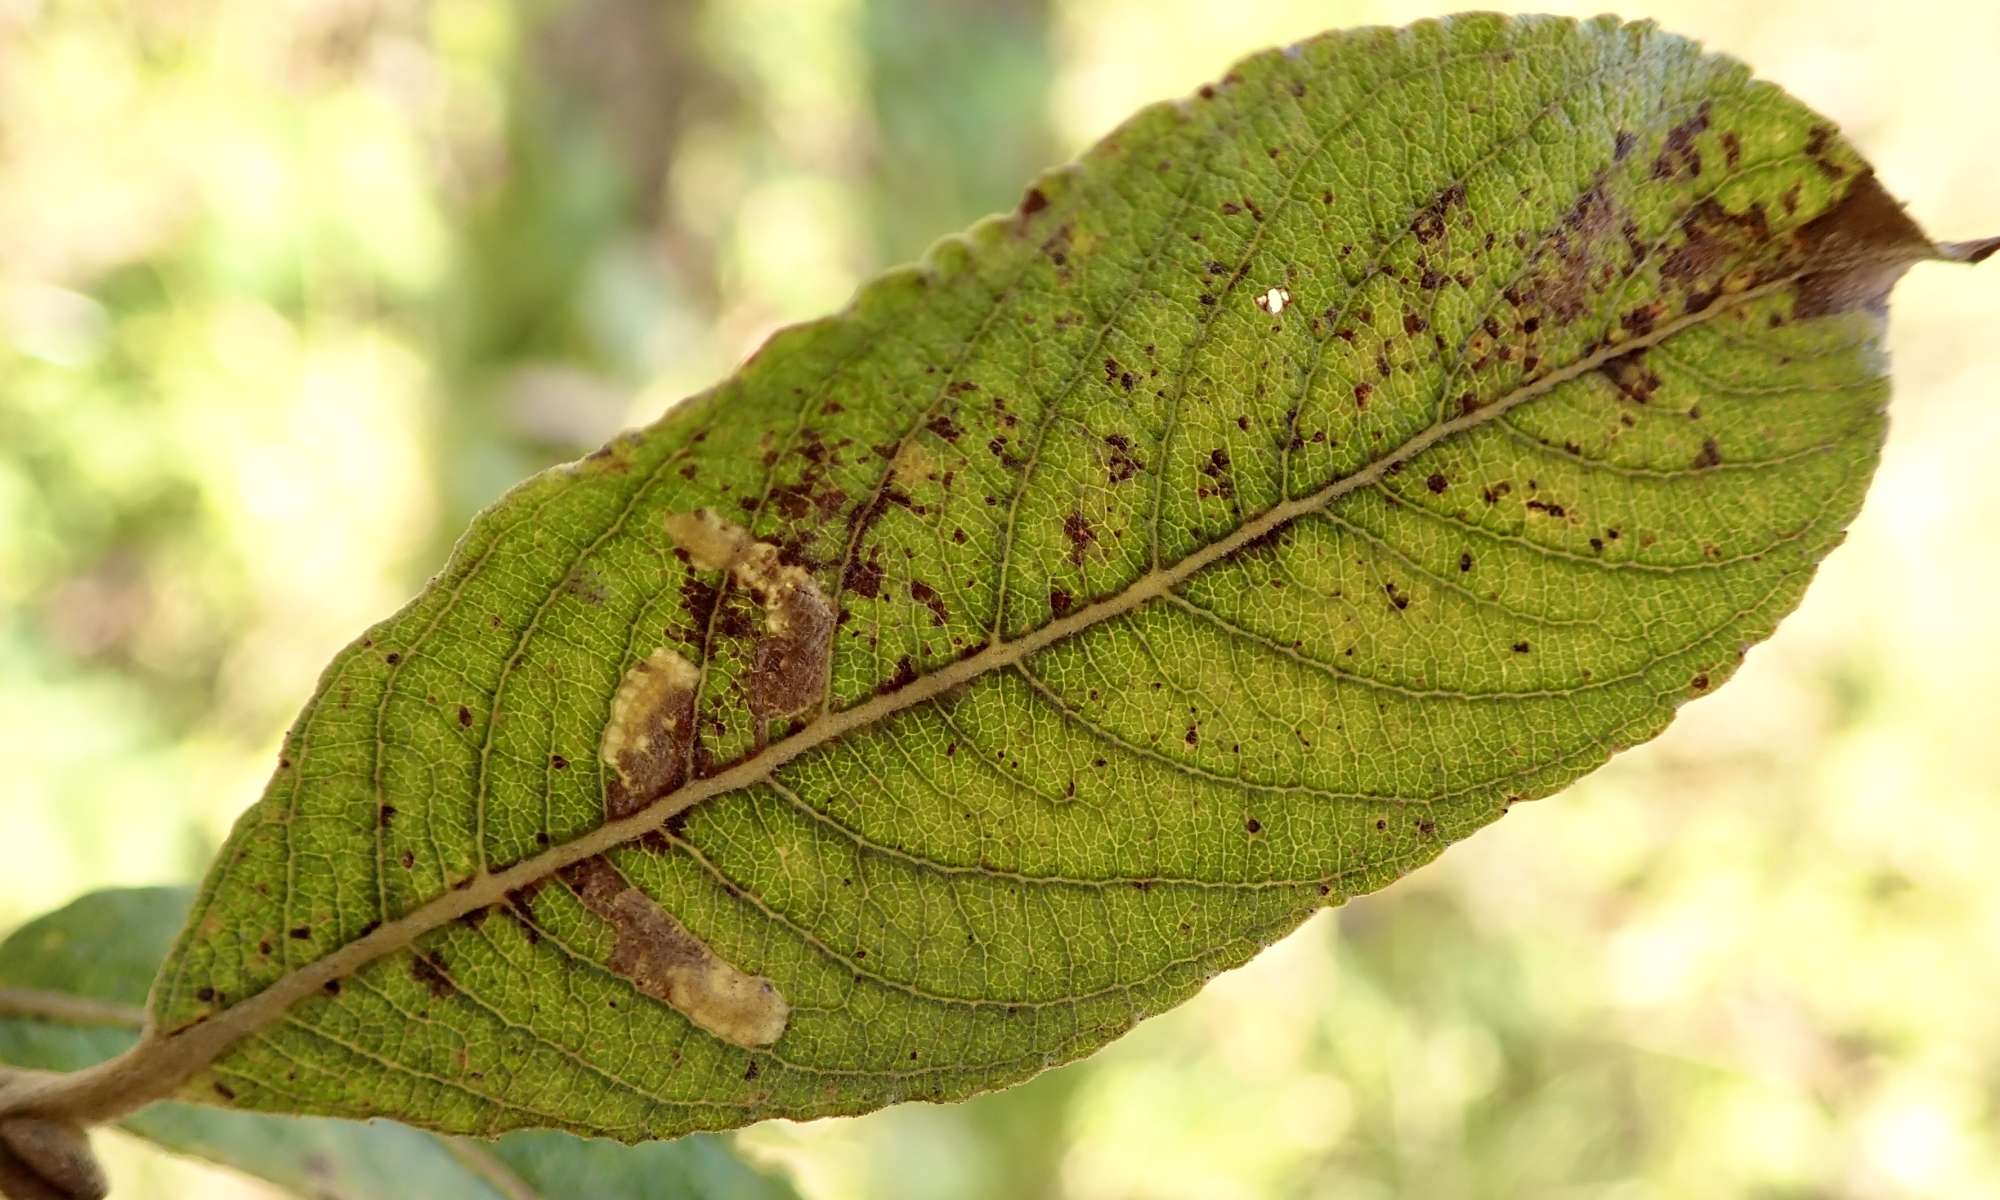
x: 1423, y: 378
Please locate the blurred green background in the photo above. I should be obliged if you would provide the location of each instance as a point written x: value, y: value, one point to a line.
x: 288, y: 290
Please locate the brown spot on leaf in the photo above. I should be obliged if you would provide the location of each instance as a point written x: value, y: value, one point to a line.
x: 700, y: 598
x: 1638, y: 322
x: 1678, y: 156
x: 864, y: 577
x: 519, y: 907
x: 1713, y: 238
x: 1264, y: 544
x: 926, y: 595
x: 1817, y: 140
x: 429, y: 970
x: 1076, y: 527
x: 1578, y: 247
x: 1633, y: 379
x: 1120, y: 465
x: 1429, y: 223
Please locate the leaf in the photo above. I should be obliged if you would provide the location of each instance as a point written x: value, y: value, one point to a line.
x: 92, y: 961
x: 1320, y: 466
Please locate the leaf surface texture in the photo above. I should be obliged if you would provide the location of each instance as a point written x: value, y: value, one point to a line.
x: 1385, y: 435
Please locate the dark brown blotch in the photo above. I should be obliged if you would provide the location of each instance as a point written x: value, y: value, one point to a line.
x: 926, y: 595
x: 1430, y: 222
x: 428, y: 968
x: 1865, y: 243
x: 1120, y: 465
x: 1076, y: 527
x: 1678, y: 156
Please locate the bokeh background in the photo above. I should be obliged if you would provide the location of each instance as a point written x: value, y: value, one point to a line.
x: 290, y: 288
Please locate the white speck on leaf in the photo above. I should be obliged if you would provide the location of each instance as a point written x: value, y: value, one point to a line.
x: 1274, y: 300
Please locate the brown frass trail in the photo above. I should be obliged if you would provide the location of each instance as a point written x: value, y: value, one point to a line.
x: 661, y: 959
x: 789, y: 664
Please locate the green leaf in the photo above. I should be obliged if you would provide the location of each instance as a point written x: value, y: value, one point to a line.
x: 1386, y: 435
x: 72, y: 984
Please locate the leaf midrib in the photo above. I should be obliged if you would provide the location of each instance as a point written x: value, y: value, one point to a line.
x: 160, y: 1062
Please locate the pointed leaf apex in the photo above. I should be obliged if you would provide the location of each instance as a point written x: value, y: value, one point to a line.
x: 1968, y: 252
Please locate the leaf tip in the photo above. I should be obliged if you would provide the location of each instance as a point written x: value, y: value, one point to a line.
x: 1968, y: 252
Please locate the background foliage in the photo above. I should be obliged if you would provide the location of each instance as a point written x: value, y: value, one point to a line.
x: 289, y: 290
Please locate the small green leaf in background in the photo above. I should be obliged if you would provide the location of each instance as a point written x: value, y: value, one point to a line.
x: 102, y: 950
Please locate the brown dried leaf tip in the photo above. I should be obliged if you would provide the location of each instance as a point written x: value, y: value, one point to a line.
x: 660, y: 958
x: 788, y: 672
x: 1867, y: 241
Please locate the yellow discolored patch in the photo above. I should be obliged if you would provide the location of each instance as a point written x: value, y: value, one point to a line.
x: 710, y: 541
x: 912, y: 464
